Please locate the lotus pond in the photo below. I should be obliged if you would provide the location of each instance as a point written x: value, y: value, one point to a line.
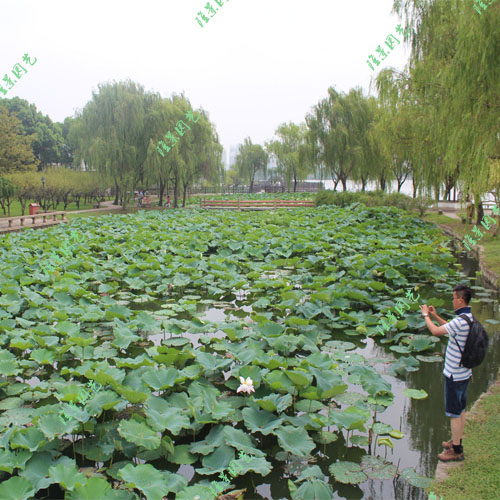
x: 166, y: 310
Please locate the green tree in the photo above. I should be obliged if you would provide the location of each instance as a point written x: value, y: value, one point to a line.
x: 195, y: 153
x: 110, y: 134
x: 15, y: 147
x: 452, y: 85
x: 338, y: 130
x: 48, y: 142
x: 7, y: 191
x: 291, y: 153
x: 251, y: 159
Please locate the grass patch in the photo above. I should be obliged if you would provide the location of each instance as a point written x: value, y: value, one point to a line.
x: 479, y: 476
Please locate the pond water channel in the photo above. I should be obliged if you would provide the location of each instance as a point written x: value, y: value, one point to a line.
x: 423, y: 422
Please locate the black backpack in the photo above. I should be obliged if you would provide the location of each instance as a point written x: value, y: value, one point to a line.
x: 475, y: 345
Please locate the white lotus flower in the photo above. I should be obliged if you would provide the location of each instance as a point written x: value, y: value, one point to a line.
x: 246, y: 385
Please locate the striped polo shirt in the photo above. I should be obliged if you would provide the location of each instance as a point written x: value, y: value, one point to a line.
x: 457, y: 329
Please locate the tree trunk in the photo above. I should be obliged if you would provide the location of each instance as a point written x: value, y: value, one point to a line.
x: 480, y: 213
x: 344, y: 183
x: 175, y: 193
x: 294, y: 184
x: 117, y: 193
x: 162, y: 189
x: 185, y: 187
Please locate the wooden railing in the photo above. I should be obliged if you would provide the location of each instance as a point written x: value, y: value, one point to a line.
x: 34, y: 217
x: 255, y: 204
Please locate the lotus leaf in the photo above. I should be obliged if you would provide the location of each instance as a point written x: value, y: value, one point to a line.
x: 376, y: 468
x: 30, y: 439
x: 8, y: 363
x: 214, y: 439
x: 385, y: 442
x: 347, y: 472
x: 360, y: 440
x: 415, y: 393
x: 260, y: 420
x: 379, y: 428
x: 13, y: 460
x: 325, y: 437
x: 415, y: 479
x: 160, y: 379
x: 294, y: 440
x: 16, y: 488
x: 96, y: 487
x: 309, y: 405
x: 139, y: 434
x: 241, y: 441
x: 292, y: 283
x: 352, y: 418
x: 313, y: 490
x: 216, y: 461
x: 37, y: 470
x: 181, y: 455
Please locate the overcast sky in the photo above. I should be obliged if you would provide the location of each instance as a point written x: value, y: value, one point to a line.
x: 254, y: 65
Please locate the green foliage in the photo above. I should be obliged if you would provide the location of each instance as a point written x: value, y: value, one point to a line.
x: 369, y: 198
x: 442, y: 120
x: 123, y: 311
x: 251, y: 159
x: 47, y: 140
x: 291, y: 153
x: 15, y: 147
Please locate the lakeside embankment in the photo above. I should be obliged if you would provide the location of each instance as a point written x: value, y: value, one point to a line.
x: 478, y: 476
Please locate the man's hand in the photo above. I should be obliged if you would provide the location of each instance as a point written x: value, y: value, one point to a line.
x: 435, y: 330
x: 432, y: 311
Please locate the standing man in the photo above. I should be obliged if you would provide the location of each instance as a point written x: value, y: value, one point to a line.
x: 456, y: 377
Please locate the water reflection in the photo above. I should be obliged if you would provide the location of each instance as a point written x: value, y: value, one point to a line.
x: 423, y: 422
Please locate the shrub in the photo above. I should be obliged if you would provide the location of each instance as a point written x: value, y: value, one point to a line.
x: 369, y: 198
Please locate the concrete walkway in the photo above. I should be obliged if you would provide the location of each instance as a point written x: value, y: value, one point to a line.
x: 4, y: 224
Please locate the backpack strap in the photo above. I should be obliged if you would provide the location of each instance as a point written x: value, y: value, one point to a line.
x: 469, y: 322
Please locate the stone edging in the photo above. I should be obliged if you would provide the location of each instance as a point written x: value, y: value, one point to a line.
x: 493, y: 280
x: 490, y: 277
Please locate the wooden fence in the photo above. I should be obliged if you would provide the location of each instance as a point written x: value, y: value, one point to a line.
x: 255, y: 204
x: 33, y: 218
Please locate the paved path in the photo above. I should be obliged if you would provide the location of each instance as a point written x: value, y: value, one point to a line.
x: 4, y: 224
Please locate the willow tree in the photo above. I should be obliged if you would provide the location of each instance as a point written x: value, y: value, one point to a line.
x: 159, y: 164
x: 183, y: 149
x: 455, y: 78
x: 290, y: 153
x: 338, y: 129
x: 252, y: 158
x: 200, y: 153
x: 111, y: 136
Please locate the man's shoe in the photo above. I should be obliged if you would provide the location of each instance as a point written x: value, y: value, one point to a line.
x: 451, y: 456
x: 447, y: 445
